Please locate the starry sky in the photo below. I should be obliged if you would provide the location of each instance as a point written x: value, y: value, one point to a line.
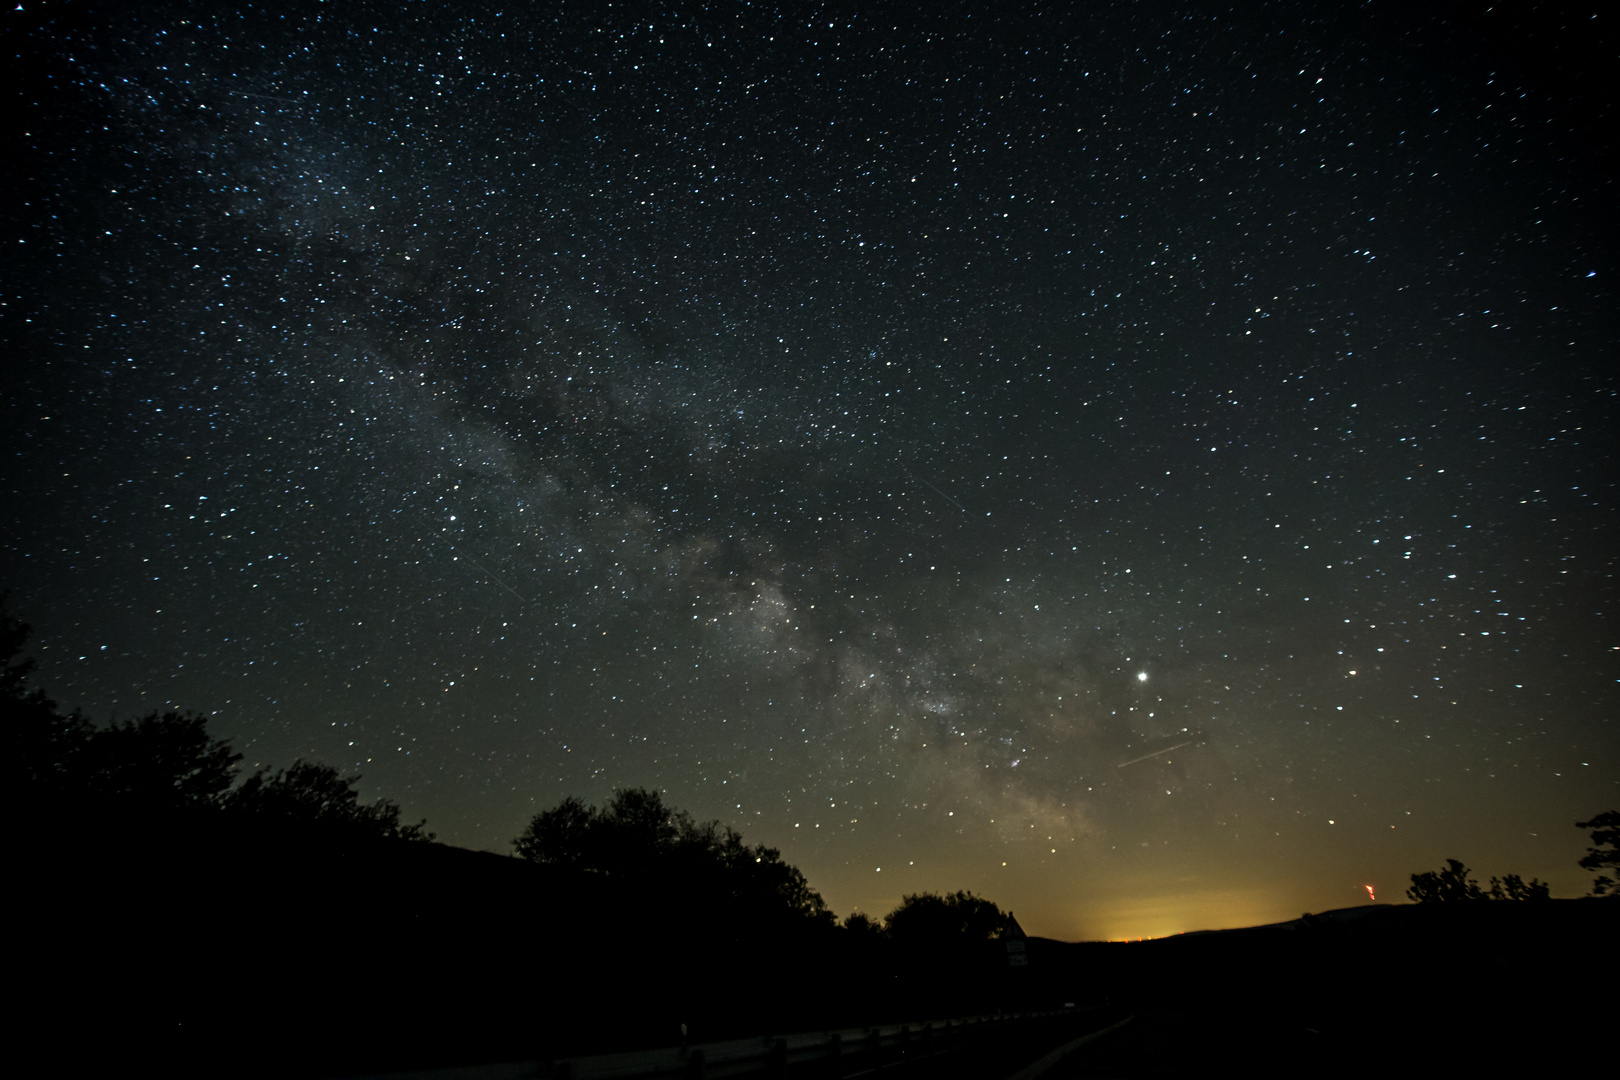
x: 1150, y: 464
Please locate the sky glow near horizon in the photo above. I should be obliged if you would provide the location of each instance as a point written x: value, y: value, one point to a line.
x: 1151, y: 467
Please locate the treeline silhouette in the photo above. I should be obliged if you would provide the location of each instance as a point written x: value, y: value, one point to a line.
x: 640, y: 842
x: 177, y: 913
x: 637, y: 840
x: 163, y: 773
x: 1452, y: 883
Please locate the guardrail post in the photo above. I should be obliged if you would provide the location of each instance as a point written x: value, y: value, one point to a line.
x: 776, y: 1059
x: 835, y: 1054
x: 694, y: 1065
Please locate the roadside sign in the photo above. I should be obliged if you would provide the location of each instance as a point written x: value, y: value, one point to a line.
x: 1017, y: 949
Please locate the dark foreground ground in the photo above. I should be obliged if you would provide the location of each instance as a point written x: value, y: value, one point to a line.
x: 259, y: 960
x: 1391, y: 990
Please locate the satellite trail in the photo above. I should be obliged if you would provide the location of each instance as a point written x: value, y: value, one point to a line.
x: 931, y: 484
x: 1155, y: 753
x: 488, y: 571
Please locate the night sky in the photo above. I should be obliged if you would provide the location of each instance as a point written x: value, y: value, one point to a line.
x: 1151, y: 465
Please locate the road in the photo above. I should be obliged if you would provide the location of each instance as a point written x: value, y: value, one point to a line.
x: 1164, y: 1044
x: 1138, y: 1046
x: 994, y: 1056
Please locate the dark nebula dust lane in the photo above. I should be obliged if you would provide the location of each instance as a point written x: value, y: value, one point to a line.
x: 870, y: 426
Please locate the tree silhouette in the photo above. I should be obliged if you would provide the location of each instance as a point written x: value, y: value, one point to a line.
x: 1513, y: 887
x: 634, y: 830
x: 79, y: 779
x: 635, y: 836
x: 754, y: 876
x: 930, y: 919
x: 41, y: 745
x: 1452, y: 883
x: 318, y: 797
x: 13, y: 635
x: 862, y: 926
x: 1604, y: 852
x: 1449, y: 884
x: 558, y: 836
x: 159, y: 763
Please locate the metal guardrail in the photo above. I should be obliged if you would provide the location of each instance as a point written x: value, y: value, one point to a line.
x: 771, y: 1055
x: 856, y: 1049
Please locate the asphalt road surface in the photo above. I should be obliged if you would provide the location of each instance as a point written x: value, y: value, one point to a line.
x: 1164, y: 1044
x: 1132, y: 1046
x: 995, y: 1057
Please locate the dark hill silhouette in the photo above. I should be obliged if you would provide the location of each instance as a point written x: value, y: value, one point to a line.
x: 334, y: 958
x: 1414, y: 986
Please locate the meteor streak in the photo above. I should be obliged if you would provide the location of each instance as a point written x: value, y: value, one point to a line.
x: 488, y: 571
x: 1155, y: 753
x: 931, y: 484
